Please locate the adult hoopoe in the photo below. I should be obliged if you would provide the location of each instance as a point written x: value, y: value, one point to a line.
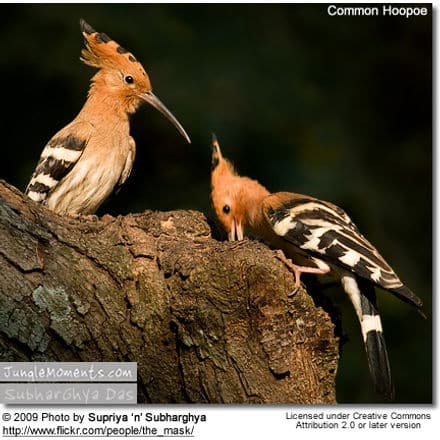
x: 93, y: 155
x: 312, y: 236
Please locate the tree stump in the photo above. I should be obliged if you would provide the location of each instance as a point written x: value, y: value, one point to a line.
x: 205, y: 320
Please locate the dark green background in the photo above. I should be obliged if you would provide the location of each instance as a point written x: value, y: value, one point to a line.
x: 335, y: 107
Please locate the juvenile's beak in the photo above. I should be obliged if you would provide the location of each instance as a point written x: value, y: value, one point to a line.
x: 236, y: 232
x: 154, y: 101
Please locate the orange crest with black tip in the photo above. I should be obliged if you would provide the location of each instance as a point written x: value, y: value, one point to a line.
x: 104, y: 53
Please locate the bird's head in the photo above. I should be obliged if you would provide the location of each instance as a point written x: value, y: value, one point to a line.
x: 120, y: 74
x: 236, y: 200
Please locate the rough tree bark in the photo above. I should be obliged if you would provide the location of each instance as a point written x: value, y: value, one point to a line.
x: 206, y: 320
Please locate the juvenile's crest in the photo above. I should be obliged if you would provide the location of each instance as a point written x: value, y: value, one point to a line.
x: 103, y: 52
x: 216, y: 153
x: 220, y: 165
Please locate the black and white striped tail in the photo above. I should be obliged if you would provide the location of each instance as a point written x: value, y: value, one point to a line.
x: 363, y: 297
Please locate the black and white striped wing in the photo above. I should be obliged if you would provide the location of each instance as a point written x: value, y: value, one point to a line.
x: 325, y: 231
x: 58, y: 157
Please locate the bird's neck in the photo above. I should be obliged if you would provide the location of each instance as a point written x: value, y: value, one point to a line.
x: 252, y: 196
x: 106, y: 104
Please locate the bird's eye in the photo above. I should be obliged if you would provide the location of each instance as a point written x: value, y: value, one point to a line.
x: 129, y: 79
x: 226, y: 209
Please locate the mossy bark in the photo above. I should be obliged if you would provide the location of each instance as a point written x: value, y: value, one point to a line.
x: 206, y: 320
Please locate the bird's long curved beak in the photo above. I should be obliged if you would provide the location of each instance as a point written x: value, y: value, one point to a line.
x: 154, y: 101
x: 236, y: 232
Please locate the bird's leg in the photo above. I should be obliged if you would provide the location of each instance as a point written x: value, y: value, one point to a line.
x: 298, y: 270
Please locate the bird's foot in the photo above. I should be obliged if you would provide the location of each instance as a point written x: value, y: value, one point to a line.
x: 297, y: 270
x: 293, y: 268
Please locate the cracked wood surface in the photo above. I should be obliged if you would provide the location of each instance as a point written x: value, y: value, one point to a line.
x: 206, y: 320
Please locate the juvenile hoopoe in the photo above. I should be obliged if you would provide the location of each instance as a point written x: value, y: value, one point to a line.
x: 93, y: 155
x: 312, y: 236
